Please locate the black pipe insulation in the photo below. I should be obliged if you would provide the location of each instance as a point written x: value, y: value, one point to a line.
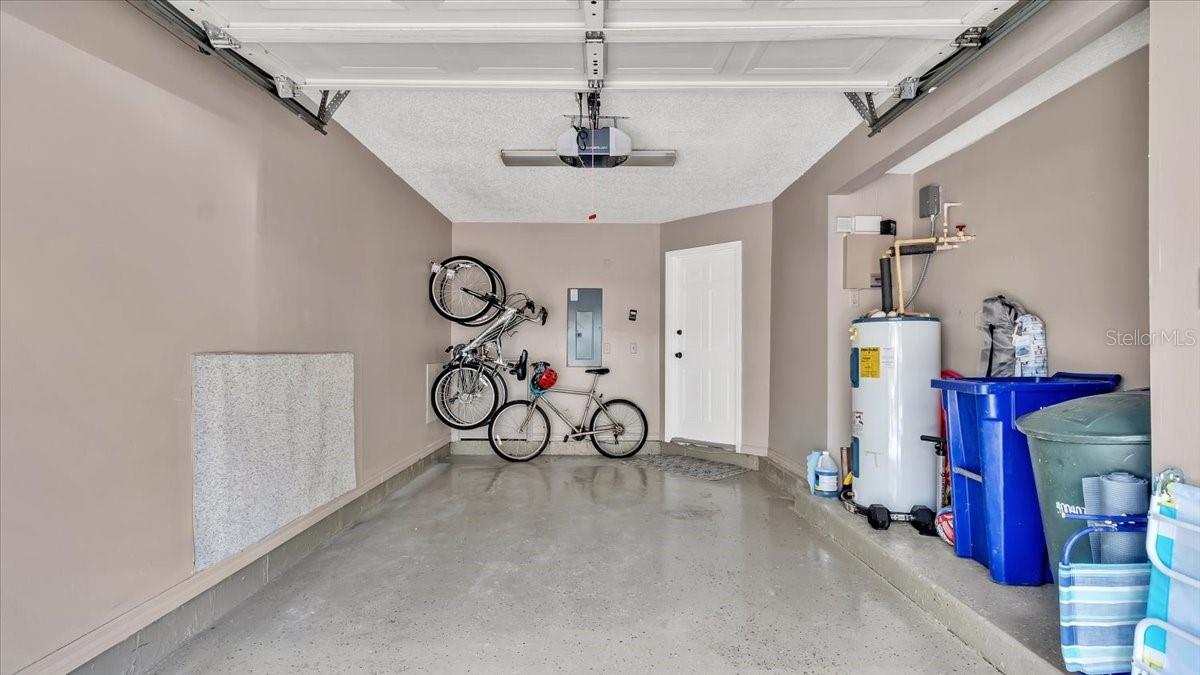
x: 885, y: 284
x: 916, y: 249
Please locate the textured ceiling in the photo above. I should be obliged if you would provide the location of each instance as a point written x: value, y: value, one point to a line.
x: 736, y: 147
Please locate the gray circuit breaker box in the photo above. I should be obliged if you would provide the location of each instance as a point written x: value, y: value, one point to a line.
x: 585, y: 327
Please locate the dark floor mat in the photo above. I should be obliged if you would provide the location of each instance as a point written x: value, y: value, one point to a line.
x: 681, y: 465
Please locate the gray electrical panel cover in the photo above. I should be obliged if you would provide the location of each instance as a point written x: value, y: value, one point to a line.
x: 929, y: 200
x: 585, y: 327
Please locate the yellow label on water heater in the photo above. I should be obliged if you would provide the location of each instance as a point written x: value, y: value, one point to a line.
x: 868, y: 362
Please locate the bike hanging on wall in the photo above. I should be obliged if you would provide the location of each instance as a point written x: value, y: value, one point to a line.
x: 460, y: 288
x: 520, y: 430
x: 471, y: 387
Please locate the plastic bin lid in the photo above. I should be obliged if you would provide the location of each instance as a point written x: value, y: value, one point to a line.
x: 1120, y: 417
x: 1083, y: 383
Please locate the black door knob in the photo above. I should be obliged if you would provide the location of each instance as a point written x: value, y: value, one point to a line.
x: 679, y: 332
x: 679, y: 355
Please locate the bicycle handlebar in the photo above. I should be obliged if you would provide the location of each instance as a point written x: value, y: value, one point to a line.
x: 527, y: 312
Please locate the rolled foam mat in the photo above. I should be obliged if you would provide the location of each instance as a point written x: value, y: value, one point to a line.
x: 1123, y: 493
x: 1092, y: 505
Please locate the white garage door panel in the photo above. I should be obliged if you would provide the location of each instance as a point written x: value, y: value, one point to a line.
x: 617, y: 11
x: 529, y: 43
x: 434, y: 60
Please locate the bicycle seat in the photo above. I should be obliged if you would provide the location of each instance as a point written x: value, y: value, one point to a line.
x: 596, y: 371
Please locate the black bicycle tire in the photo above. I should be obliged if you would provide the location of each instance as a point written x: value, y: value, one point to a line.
x: 645, y: 429
x: 501, y: 390
x: 496, y: 416
x: 492, y: 311
x: 455, y: 424
x: 446, y: 315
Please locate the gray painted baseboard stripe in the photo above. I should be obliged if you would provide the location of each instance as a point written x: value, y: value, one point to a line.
x: 1002, y: 650
x: 747, y: 461
x: 140, y: 652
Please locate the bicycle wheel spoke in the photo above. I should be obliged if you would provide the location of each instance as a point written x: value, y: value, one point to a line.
x: 518, y: 432
x: 466, y: 396
x: 451, y: 287
x: 623, y: 429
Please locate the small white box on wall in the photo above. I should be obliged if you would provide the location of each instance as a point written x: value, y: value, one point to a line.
x: 845, y: 224
x: 867, y: 224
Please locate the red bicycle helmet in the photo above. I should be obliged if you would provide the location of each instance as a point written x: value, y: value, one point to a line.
x: 542, y: 379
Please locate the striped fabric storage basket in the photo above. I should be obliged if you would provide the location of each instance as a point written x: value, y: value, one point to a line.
x: 1101, y: 604
x: 1167, y: 642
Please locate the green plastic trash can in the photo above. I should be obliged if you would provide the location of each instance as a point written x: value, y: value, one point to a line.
x: 1090, y: 436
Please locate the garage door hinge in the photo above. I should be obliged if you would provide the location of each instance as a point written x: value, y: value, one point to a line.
x: 908, y: 88
x: 970, y: 38
x: 285, y: 87
x: 219, y: 38
x: 330, y: 104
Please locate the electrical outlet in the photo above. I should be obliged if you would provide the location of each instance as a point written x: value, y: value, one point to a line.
x: 607, y: 347
x: 633, y: 348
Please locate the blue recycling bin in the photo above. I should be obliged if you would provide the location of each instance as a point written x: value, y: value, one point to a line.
x: 997, y: 519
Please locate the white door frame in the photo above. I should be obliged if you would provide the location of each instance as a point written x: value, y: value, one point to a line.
x: 671, y: 261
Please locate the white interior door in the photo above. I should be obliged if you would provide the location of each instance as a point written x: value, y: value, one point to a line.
x: 704, y: 344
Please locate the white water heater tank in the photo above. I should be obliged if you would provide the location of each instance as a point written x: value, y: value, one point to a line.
x: 892, y: 360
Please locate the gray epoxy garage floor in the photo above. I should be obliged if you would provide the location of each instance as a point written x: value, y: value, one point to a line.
x: 584, y: 565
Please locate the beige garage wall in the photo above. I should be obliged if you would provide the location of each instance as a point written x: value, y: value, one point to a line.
x: 750, y: 225
x: 153, y: 205
x: 1058, y: 199
x: 544, y: 260
x: 1175, y: 233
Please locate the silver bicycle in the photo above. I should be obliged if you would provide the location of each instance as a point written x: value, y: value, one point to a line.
x: 520, y: 430
x: 471, y: 386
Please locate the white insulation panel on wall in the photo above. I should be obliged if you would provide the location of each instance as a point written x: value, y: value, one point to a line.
x: 272, y: 439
